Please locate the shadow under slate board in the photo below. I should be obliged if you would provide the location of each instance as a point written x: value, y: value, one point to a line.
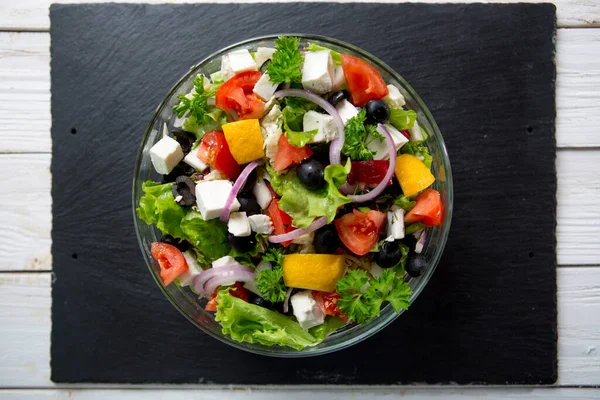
x: 487, y: 73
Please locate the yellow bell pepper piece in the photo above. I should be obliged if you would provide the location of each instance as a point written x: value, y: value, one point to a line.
x: 413, y: 175
x: 245, y: 140
x: 313, y: 271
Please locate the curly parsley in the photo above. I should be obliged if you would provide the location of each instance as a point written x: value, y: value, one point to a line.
x: 358, y: 137
x: 197, y: 104
x: 286, y: 64
x: 270, y: 281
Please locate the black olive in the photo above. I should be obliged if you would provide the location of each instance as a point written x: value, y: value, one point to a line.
x: 263, y: 67
x: 389, y: 255
x: 241, y: 243
x: 248, y: 203
x: 312, y: 173
x: 321, y: 152
x: 339, y: 96
x: 184, y: 189
x: 180, y: 169
x: 415, y: 265
x: 185, y: 139
x: 393, y: 190
x: 327, y: 240
x: 410, y: 241
x: 182, y: 245
x: 259, y: 301
x: 378, y: 112
x: 347, y: 209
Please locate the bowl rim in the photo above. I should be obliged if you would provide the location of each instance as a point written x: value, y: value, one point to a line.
x: 386, y: 317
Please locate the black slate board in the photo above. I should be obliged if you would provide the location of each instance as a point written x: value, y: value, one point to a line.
x: 486, y: 72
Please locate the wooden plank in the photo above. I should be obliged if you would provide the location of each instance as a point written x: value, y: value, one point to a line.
x: 25, y: 215
x: 33, y: 14
x: 25, y: 329
x: 578, y: 87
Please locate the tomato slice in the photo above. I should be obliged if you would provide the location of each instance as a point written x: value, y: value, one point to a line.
x: 406, y: 134
x: 360, y: 231
x: 214, y: 151
x: 236, y: 95
x: 428, y: 209
x: 238, y: 291
x: 364, y: 82
x: 369, y: 172
x: 327, y: 302
x: 170, y: 259
x: 289, y: 155
x: 282, y: 223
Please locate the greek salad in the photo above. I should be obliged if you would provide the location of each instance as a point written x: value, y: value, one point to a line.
x: 295, y: 196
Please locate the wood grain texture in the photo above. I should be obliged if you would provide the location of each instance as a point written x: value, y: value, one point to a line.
x: 33, y: 14
x: 25, y: 216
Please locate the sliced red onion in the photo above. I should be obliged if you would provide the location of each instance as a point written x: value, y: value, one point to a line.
x: 337, y: 144
x: 361, y: 198
x: 237, y: 186
x: 286, y: 302
x: 202, y: 277
x: 219, y: 280
x: 347, y: 188
x: 421, y: 242
x: 317, y: 223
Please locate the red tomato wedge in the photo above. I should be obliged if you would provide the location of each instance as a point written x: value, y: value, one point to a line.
x: 236, y: 95
x: 288, y: 155
x: 214, y: 151
x: 364, y: 82
x: 282, y: 223
x: 327, y: 302
x: 238, y: 291
x: 369, y: 172
x: 170, y: 259
x: 360, y: 231
x: 428, y: 209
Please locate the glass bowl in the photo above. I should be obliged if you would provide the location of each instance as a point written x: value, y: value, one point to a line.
x: 187, y: 302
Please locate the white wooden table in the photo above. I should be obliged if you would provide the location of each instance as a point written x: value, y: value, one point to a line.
x: 25, y: 224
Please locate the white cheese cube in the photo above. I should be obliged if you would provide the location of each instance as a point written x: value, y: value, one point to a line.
x: 222, y: 262
x: 263, y: 54
x: 264, y: 88
x: 271, y: 129
x: 238, y: 224
x: 165, y: 155
x: 327, y: 130
x: 379, y: 146
x: 415, y: 133
x: 395, y: 223
x: 194, y: 269
x: 262, y: 194
x: 260, y: 223
x: 236, y: 62
x: 211, y: 197
x: 346, y: 110
x: 317, y: 71
x: 376, y: 270
x: 397, y: 136
x: 193, y: 161
x: 339, y: 80
x: 306, y: 310
x: 214, y: 175
x: 394, y: 98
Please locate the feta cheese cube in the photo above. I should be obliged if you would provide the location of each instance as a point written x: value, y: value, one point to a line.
x: 260, y: 223
x: 194, y: 269
x: 262, y: 194
x: 263, y: 54
x: 317, y: 71
x: 306, y: 310
x: 379, y: 146
x: 327, y: 130
x: 271, y: 129
x: 165, y: 155
x: 236, y: 62
x: 211, y: 197
x: 214, y: 175
x: 346, y: 110
x: 193, y: 161
x: 222, y: 262
x: 395, y: 223
x: 238, y: 224
x: 415, y: 133
x: 264, y: 88
x: 339, y: 80
x: 394, y: 98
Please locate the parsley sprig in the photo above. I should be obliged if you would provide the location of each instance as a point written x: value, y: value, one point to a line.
x: 286, y: 64
x: 362, y: 297
x: 358, y: 137
x: 197, y: 105
x: 270, y: 281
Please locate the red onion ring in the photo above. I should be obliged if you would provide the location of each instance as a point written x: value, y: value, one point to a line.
x: 286, y: 302
x: 337, y: 144
x: 239, y: 183
x: 239, y: 276
x: 361, y: 198
x: 421, y: 242
x: 347, y: 188
x: 202, y: 277
x: 317, y: 223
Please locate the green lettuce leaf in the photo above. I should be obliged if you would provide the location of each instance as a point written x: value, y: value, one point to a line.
x: 418, y: 149
x: 246, y: 322
x: 304, y: 205
x: 404, y: 202
x: 402, y: 119
x: 157, y: 206
x: 330, y: 325
x: 334, y: 54
x: 212, y: 121
x: 208, y: 237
